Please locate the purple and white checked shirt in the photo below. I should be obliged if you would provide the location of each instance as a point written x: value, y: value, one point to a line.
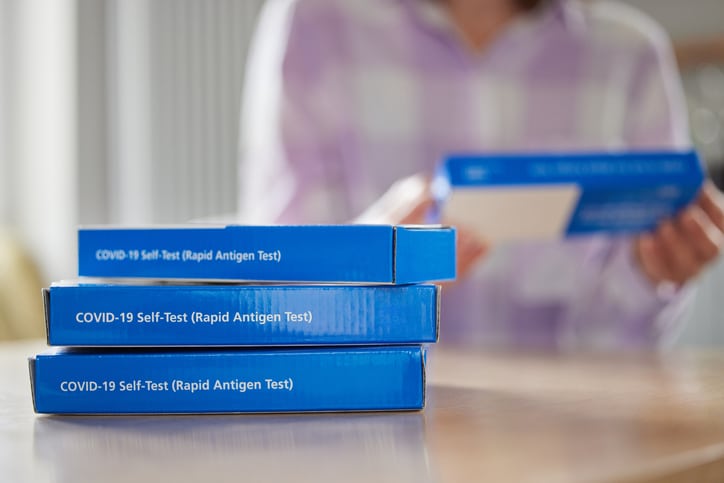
x: 344, y: 97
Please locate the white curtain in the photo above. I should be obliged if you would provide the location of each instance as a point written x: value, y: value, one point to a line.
x: 117, y: 111
x: 38, y: 200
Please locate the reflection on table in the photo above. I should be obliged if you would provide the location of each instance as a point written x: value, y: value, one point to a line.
x: 361, y: 447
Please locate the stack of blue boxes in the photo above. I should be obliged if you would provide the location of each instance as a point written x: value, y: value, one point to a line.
x: 244, y: 319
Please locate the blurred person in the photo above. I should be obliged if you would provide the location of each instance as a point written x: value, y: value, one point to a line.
x: 350, y: 104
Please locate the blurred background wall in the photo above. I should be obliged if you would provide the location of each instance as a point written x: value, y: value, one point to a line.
x: 127, y: 111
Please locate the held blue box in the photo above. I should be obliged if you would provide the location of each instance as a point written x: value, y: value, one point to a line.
x: 509, y: 197
x: 154, y: 314
x: 75, y: 381
x: 311, y: 253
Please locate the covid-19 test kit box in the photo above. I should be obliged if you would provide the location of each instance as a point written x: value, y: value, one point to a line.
x: 518, y: 197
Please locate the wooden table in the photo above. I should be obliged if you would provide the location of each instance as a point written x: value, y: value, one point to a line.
x: 490, y: 418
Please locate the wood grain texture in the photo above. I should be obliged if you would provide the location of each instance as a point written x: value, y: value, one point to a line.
x: 627, y: 418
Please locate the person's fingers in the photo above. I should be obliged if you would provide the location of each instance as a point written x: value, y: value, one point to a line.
x: 702, y: 233
x: 469, y: 243
x: 466, y: 261
x: 470, y: 249
x: 406, y: 201
x: 710, y: 200
x: 417, y: 212
x: 413, y: 199
x: 677, y: 252
x: 651, y: 261
x: 681, y: 248
x: 468, y: 254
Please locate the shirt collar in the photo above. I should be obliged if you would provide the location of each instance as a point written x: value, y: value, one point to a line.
x: 568, y: 13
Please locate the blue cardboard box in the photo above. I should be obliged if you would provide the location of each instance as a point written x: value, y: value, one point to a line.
x: 526, y: 196
x: 229, y: 381
x: 312, y: 253
x: 81, y: 313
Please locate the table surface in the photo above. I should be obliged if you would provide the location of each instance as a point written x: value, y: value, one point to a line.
x: 491, y: 417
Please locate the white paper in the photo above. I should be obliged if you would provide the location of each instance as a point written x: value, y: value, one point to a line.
x: 504, y: 213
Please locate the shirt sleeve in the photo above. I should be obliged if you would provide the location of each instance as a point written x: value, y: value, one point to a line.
x: 621, y: 308
x: 620, y: 305
x: 289, y: 158
x: 657, y: 116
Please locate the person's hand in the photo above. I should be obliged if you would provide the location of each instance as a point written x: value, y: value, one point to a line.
x: 407, y: 201
x: 469, y: 249
x: 680, y: 248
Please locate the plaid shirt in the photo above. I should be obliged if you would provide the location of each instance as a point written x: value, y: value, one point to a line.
x: 345, y: 96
